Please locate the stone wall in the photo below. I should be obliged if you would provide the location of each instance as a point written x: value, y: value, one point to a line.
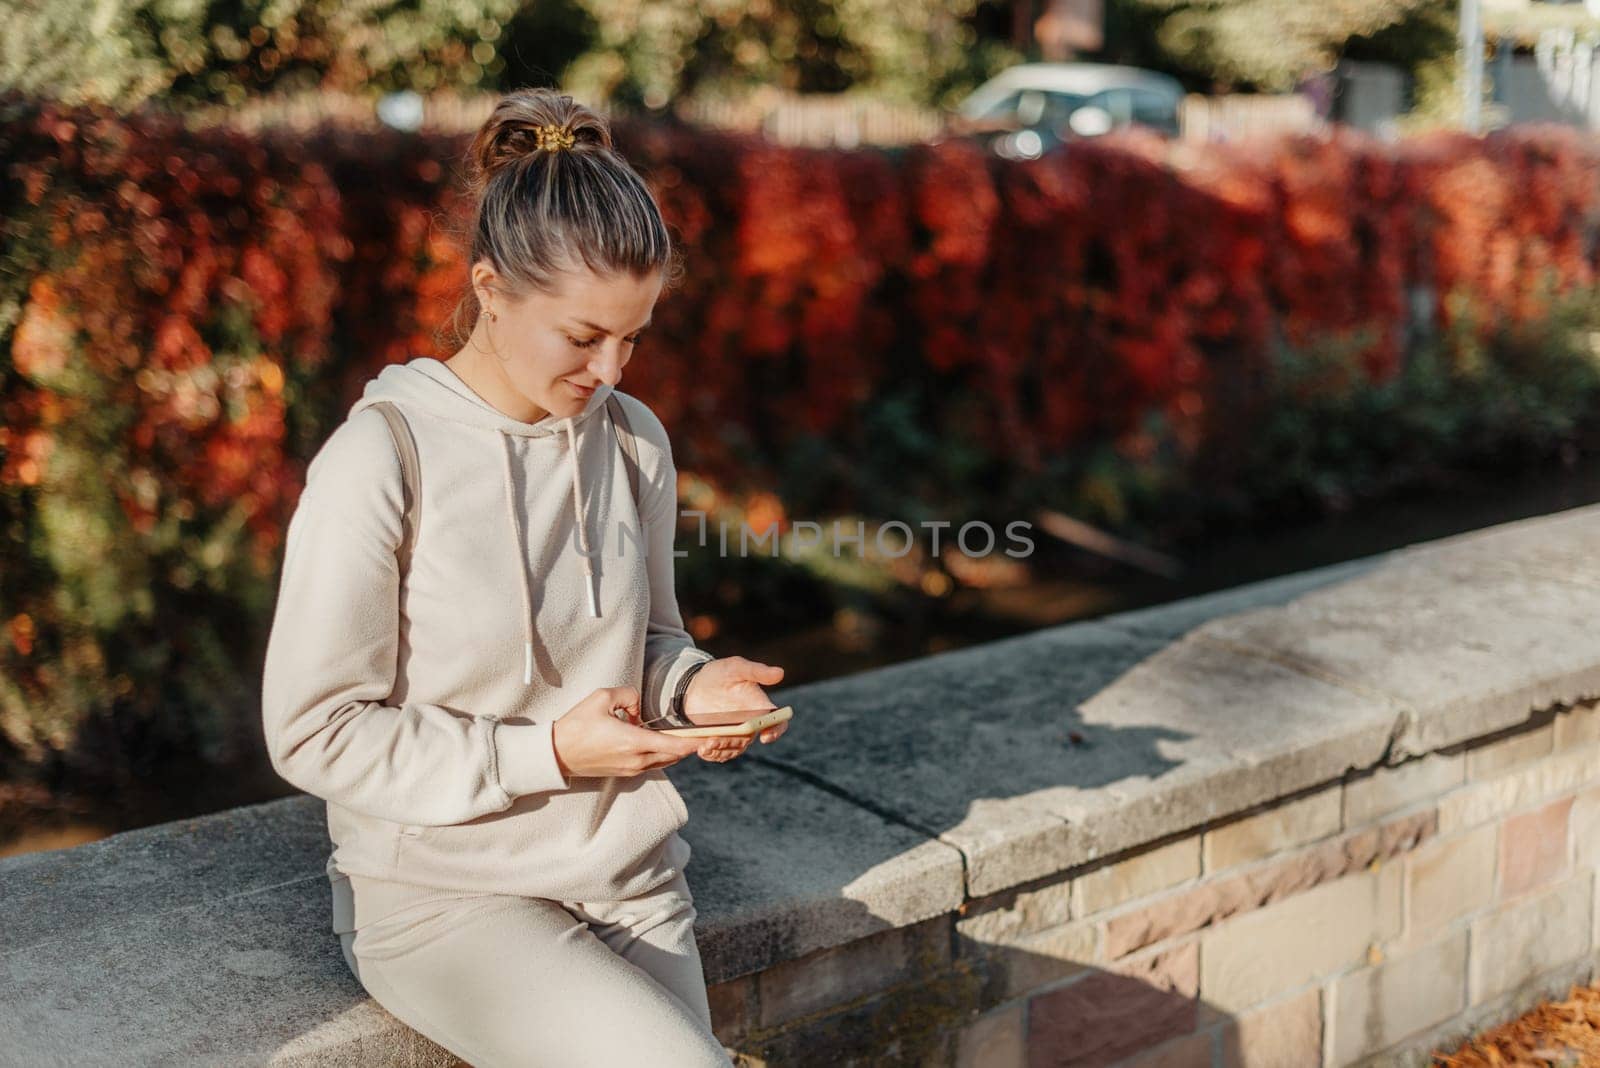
x: 1364, y: 921
x: 1341, y: 817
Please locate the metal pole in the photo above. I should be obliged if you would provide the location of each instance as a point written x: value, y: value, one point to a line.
x: 1472, y: 64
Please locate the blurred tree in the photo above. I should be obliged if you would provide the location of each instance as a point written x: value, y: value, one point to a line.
x: 1272, y: 44
x: 221, y: 51
x: 1425, y: 46
x: 628, y: 51
x: 922, y: 52
x: 541, y: 40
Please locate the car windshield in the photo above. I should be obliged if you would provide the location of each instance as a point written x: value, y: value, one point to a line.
x: 1036, y: 107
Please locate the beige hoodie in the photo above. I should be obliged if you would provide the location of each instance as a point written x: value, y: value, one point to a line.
x: 421, y: 710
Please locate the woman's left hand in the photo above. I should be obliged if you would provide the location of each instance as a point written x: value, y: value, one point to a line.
x: 732, y: 684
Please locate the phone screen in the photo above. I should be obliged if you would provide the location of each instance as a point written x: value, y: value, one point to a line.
x: 722, y: 719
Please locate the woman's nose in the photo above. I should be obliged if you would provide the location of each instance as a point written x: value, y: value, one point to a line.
x: 607, y: 368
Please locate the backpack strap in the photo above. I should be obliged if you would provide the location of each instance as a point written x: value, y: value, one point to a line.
x: 630, y: 446
x: 406, y: 446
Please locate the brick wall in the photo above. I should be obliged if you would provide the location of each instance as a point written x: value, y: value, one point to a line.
x: 1392, y: 911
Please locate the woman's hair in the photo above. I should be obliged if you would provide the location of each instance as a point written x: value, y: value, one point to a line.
x: 539, y: 211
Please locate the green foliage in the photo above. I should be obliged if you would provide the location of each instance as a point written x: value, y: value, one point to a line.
x: 1424, y: 45
x: 1456, y: 399
x: 1272, y: 44
x: 1326, y: 437
x: 223, y: 51
x: 118, y: 601
x: 648, y: 55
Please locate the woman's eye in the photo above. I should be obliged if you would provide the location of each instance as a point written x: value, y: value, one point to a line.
x: 590, y: 342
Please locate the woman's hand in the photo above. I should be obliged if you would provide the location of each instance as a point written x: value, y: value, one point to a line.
x: 591, y: 739
x: 732, y: 684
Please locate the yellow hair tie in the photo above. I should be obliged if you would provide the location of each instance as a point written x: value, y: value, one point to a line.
x: 553, y: 137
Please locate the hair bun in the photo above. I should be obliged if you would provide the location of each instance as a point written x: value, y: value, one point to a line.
x: 527, y: 123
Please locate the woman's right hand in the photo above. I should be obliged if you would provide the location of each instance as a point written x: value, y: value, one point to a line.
x: 591, y: 740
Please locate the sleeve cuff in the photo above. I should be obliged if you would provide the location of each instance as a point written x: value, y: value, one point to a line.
x: 525, y: 758
x: 658, y: 695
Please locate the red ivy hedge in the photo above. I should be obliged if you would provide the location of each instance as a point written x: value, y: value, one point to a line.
x: 1068, y: 296
x: 199, y: 308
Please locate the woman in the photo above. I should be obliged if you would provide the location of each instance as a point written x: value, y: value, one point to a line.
x: 507, y: 870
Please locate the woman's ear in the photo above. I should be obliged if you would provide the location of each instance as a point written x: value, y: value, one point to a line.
x: 485, y: 282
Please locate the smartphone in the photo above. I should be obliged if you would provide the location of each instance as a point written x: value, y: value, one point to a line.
x: 725, y: 724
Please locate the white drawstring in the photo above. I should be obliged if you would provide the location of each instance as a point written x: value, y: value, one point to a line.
x: 522, y: 567
x: 577, y: 508
x: 512, y: 509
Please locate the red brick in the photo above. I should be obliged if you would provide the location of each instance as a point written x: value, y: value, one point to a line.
x: 1190, y: 1051
x: 831, y: 977
x: 1216, y: 900
x: 1533, y: 848
x: 1113, y: 1015
x: 993, y: 1041
x: 1174, y: 968
x: 731, y: 1005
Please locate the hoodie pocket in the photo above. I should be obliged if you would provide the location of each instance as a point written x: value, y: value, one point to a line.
x: 403, y: 833
x: 400, y: 834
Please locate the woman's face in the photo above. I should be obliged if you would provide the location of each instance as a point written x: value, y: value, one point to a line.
x: 552, y: 350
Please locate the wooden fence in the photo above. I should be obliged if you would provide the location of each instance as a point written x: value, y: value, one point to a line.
x: 843, y: 120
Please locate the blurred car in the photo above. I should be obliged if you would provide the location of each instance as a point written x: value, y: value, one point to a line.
x: 1026, y: 110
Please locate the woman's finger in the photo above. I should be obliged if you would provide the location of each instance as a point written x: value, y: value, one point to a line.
x: 725, y: 748
x: 756, y: 671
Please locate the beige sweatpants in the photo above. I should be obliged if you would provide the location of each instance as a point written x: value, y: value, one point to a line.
x: 525, y: 982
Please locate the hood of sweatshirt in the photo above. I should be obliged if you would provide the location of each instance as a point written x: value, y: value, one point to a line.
x: 428, y: 385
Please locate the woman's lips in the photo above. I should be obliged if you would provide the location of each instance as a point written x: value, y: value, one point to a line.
x: 580, y: 390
